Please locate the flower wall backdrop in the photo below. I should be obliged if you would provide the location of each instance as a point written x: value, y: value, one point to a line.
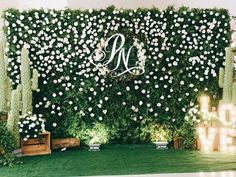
x: 180, y: 52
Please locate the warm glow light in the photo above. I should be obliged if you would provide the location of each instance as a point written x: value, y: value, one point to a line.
x: 204, y: 104
x: 209, y: 134
x: 225, y: 140
x: 227, y: 113
x: 207, y: 138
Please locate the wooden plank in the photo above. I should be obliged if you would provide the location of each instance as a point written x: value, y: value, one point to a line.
x: 65, y: 143
x: 38, y: 153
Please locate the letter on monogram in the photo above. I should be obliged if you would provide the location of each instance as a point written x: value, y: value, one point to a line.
x: 117, y: 53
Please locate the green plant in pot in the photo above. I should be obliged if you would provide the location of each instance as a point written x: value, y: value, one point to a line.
x: 96, y: 136
x: 159, y: 135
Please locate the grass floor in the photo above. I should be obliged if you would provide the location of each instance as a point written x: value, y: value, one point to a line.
x: 119, y: 159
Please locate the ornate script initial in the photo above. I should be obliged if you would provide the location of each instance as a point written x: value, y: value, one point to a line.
x: 117, y: 52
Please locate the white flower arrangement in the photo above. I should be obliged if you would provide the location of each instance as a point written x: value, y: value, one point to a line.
x: 30, y: 126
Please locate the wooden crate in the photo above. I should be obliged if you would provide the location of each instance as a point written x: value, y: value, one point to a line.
x: 65, y: 143
x: 178, y: 142
x: 37, y: 146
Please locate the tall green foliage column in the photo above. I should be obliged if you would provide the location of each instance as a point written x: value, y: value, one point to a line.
x: 228, y: 75
x: 26, y: 82
x: 3, y: 80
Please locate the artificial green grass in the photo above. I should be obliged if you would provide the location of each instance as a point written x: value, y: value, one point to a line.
x: 120, y: 160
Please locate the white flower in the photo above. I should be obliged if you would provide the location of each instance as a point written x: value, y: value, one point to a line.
x: 21, y: 17
x: 33, y: 125
x: 104, y: 111
x: 54, y: 124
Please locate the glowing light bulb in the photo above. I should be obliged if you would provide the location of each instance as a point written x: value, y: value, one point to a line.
x: 204, y: 104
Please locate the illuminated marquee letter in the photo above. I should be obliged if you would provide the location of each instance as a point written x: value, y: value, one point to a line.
x: 207, y: 138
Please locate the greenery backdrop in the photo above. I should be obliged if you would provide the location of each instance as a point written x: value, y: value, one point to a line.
x: 184, y: 50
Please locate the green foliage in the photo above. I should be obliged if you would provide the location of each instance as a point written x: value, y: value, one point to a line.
x: 7, y: 139
x: 188, y: 132
x: 8, y: 144
x: 184, y: 49
x: 188, y: 129
x: 96, y: 134
x: 9, y: 159
x: 159, y: 133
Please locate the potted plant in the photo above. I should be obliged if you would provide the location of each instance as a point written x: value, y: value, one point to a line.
x: 160, y: 136
x: 97, y: 135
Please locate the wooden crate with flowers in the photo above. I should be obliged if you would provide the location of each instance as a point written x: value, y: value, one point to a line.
x: 34, y: 139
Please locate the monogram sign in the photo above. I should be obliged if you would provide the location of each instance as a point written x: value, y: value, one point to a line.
x: 112, y: 51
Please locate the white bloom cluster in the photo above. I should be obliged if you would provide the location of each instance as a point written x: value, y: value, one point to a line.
x: 193, y: 114
x: 141, y: 57
x: 31, y: 125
